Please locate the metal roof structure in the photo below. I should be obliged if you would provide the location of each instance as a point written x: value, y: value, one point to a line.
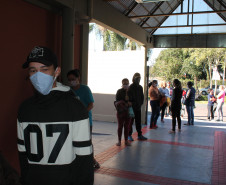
x: 151, y: 16
x: 160, y: 24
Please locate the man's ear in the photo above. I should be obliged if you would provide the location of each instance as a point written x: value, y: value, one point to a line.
x: 57, y: 72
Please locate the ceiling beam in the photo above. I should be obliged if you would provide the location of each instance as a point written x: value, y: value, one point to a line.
x: 174, y: 14
x: 211, y: 6
x: 183, y: 26
x: 45, y: 6
x: 222, y: 3
x: 131, y: 8
x: 151, y: 13
x: 105, y: 15
x: 190, y: 41
x: 166, y: 17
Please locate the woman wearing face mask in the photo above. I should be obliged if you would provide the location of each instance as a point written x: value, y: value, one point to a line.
x: 155, y: 104
x: 84, y: 94
x: 122, y: 104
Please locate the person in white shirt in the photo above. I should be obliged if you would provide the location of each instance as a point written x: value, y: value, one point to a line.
x: 165, y: 93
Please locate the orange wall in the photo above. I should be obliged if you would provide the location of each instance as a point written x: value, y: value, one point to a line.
x: 23, y: 26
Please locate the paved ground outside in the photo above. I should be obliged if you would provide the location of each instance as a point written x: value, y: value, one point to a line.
x: 195, y: 156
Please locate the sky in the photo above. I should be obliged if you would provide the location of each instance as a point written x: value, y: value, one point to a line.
x: 198, y: 19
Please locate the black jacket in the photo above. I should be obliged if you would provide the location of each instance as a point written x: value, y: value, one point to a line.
x: 176, y: 99
x: 190, y: 99
x: 136, y: 96
x: 54, y: 140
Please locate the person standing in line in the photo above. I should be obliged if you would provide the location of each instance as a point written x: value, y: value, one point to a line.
x: 190, y: 103
x: 220, y: 103
x: 122, y: 104
x: 54, y: 140
x: 182, y: 103
x: 165, y: 94
x: 154, y: 95
x: 84, y: 94
x: 211, y: 101
x: 176, y: 105
x: 136, y: 94
x: 170, y: 89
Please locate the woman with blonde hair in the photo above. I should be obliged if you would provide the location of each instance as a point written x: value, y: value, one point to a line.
x: 220, y: 103
x: 164, y: 93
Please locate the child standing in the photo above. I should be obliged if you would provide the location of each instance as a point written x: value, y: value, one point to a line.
x: 211, y: 101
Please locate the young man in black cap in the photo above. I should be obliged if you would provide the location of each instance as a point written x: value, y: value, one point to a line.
x: 54, y: 140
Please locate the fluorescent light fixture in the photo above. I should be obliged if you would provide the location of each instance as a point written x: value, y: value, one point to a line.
x: 149, y: 1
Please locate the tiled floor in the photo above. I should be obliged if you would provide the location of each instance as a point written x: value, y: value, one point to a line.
x: 197, y: 155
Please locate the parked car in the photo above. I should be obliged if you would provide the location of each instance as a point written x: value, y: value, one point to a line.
x: 205, y: 91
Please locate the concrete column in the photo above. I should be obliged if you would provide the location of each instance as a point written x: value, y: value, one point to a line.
x: 144, y: 106
x: 84, y: 48
x: 67, y: 59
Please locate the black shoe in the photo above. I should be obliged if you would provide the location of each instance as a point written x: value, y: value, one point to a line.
x: 141, y: 138
x: 187, y: 124
x: 96, y: 165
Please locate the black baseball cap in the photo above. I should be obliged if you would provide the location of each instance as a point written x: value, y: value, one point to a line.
x: 43, y: 55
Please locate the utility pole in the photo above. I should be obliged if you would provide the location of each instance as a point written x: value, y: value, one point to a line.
x: 210, y: 69
x: 224, y: 71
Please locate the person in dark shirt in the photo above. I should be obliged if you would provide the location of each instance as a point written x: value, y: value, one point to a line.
x: 137, y: 96
x: 211, y: 101
x: 176, y: 105
x: 122, y: 104
x: 190, y: 103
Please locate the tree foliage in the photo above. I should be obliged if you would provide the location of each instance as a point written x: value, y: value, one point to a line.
x: 169, y: 64
x: 111, y: 40
x: 189, y: 64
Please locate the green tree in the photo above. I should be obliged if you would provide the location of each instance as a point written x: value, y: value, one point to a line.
x: 193, y: 64
x: 111, y: 40
x: 168, y: 65
x: 189, y: 64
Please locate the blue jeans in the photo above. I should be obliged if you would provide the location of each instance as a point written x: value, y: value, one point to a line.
x: 155, y: 107
x: 190, y: 114
x: 220, y: 111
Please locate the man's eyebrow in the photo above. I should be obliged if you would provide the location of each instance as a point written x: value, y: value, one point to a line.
x: 44, y: 66
x: 31, y: 68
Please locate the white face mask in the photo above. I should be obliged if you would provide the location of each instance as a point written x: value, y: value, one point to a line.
x: 42, y: 82
x: 73, y: 83
x: 125, y: 86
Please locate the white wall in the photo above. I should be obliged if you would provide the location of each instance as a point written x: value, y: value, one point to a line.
x: 105, y: 73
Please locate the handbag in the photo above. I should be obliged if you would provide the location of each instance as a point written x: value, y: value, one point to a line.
x: 130, y: 112
x: 162, y: 100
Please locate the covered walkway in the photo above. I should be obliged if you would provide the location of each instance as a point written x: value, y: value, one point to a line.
x: 195, y: 156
